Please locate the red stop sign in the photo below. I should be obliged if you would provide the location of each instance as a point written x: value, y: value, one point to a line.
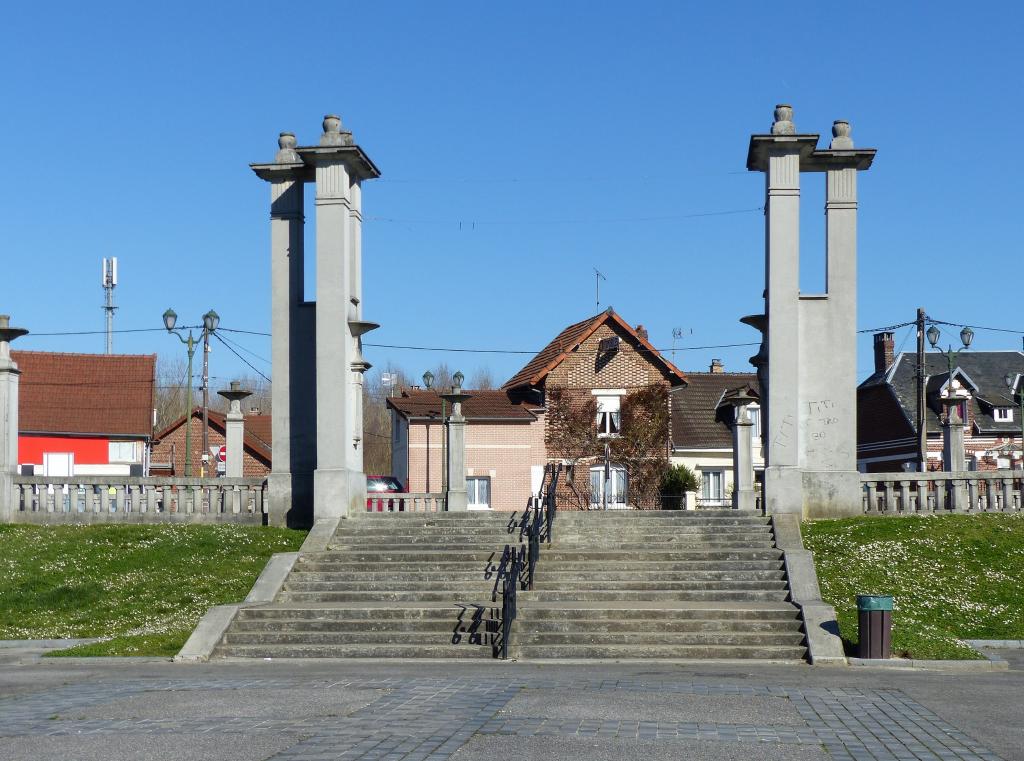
x: 222, y: 454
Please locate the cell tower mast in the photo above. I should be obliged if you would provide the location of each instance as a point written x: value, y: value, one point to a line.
x: 109, y: 283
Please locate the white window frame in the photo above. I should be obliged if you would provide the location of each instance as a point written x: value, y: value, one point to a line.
x: 1002, y: 414
x: 620, y: 497
x: 609, y: 412
x: 754, y: 411
x: 708, y: 478
x: 121, y: 443
x: 473, y: 493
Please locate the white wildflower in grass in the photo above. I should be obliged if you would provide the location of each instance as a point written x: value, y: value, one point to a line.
x: 952, y: 577
x: 141, y: 588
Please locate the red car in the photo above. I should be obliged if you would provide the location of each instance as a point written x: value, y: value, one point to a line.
x: 379, y: 485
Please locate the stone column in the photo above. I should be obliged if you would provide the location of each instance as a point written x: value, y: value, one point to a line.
x: 290, y: 483
x: 953, y: 458
x: 782, y: 276
x: 743, y: 495
x: 235, y: 429
x: 456, y: 497
x: 9, y: 378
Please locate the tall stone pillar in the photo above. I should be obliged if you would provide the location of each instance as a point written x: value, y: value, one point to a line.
x: 455, y: 497
x: 9, y: 378
x: 782, y: 278
x: 809, y: 404
x: 234, y: 433
x: 317, y: 403
x: 293, y: 406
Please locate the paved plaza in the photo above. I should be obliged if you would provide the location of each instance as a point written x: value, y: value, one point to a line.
x: 304, y: 710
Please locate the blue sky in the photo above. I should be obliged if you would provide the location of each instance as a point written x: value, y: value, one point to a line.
x: 522, y: 145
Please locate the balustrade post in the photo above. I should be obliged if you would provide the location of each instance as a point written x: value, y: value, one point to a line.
x: 905, y: 496
x: 1007, y: 505
x: 872, y: 496
x: 104, y: 499
x: 889, y: 496
x: 972, y: 494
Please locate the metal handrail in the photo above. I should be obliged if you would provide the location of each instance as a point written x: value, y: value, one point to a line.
x: 509, y: 572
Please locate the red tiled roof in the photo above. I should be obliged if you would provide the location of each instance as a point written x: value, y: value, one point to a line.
x: 695, y: 420
x: 548, y: 358
x: 101, y: 394
x: 256, y: 436
x: 480, y: 405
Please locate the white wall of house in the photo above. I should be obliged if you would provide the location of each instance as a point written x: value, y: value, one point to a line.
x: 707, y: 462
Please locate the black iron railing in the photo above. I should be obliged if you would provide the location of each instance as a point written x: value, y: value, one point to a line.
x: 510, y: 570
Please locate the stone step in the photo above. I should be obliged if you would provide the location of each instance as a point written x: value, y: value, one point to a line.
x: 590, y: 548
x: 433, y: 626
x: 544, y: 584
x: 644, y: 652
x: 522, y: 636
x: 653, y: 530
x: 558, y: 595
x: 574, y: 626
x: 442, y: 612
x: 544, y: 573
x: 340, y: 565
x: 481, y: 636
x: 656, y: 614
x: 463, y: 650
x: 554, y: 555
x: 476, y: 597
x: 458, y: 587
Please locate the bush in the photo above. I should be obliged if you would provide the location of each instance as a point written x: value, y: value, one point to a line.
x: 677, y: 480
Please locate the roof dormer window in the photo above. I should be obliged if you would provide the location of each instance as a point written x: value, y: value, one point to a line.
x: 1002, y: 414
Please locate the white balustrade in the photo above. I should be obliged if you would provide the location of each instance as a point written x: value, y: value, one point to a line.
x: 942, y: 492
x: 406, y: 502
x: 110, y: 499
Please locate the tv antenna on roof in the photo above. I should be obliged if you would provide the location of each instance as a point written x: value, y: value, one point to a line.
x: 109, y: 282
x: 677, y: 333
x: 598, y: 277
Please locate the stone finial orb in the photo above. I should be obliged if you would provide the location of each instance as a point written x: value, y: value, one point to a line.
x: 334, y: 133
x: 841, y: 135
x: 286, y: 153
x: 783, y: 120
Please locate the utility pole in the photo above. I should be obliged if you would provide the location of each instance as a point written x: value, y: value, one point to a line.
x: 109, y: 282
x: 922, y: 419
x: 204, y: 468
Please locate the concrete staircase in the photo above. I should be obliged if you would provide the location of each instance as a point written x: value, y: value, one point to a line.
x: 705, y: 584
x: 391, y: 585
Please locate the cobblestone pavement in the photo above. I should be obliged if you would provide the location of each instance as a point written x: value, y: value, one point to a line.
x: 438, y: 712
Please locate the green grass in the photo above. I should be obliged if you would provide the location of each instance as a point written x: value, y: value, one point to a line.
x: 952, y: 577
x: 141, y: 588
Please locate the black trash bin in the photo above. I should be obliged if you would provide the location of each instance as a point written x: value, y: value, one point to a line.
x: 874, y: 629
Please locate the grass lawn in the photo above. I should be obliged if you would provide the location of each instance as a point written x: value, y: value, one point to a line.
x: 142, y: 588
x: 952, y: 577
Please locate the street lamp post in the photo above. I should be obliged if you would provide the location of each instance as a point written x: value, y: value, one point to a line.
x: 953, y: 446
x: 428, y: 383
x: 1018, y: 395
x: 966, y: 336
x: 210, y: 322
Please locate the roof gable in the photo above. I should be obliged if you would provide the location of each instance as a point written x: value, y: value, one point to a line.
x: 572, y: 337
x: 696, y: 422
x: 98, y: 394
x: 256, y: 431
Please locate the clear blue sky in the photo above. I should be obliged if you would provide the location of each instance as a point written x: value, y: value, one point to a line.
x: 521, y: 145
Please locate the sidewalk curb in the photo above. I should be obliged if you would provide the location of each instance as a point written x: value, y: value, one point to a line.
x: 909, y: 664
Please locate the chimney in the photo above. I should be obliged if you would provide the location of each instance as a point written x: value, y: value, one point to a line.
x: 642, y: 332
x: 717, y: 366
x: 884, y: 352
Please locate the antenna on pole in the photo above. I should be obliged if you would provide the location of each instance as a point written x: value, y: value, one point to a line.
x: 677, y: 333
x: 598, y: 277
x: 109, y: 283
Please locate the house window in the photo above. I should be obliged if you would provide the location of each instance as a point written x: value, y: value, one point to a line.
x: 608, y: 415
x: 121, y: 451
x: 1003, y: 414
x: 755, y: 417
x: 478, y: 492
x: 712, y: 484
x: 608, y: 488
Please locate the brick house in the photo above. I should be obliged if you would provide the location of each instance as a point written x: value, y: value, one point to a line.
x: 168, y: 458
x: 85, y: 414
x: 594, y: 364
x: 504, y: 446
x: 702, y: 429
x: 887, y: 439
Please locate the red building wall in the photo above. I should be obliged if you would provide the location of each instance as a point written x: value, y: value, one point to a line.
x: 87, y: 451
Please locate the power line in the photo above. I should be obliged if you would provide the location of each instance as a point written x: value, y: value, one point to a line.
x: 246, y: 350
x: 472, y: 223
x: 247, y: 362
